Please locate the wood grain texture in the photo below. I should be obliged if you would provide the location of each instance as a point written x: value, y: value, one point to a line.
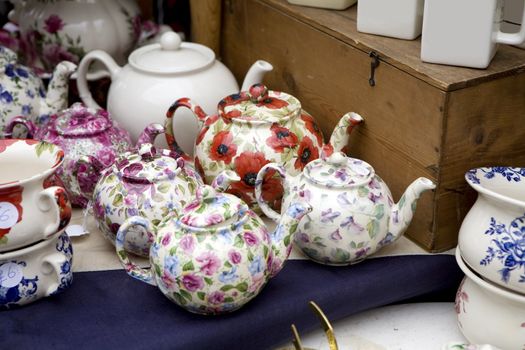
x: 403, y: 54
x: 206, y: 23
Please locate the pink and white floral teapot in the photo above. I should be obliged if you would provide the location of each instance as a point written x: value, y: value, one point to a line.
x: 91, y: 142
x: 214, y: 255
x: 254, y: 128
x: 353, y: 213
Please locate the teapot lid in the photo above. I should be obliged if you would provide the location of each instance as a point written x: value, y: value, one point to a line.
x: 212, y: 208
x: 339, y: 171
x: 149, y: 165
x: 171, y: 55
x: 79, y: 120
x: 259, y: 104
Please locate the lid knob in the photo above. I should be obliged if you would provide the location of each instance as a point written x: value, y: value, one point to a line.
x: 337, y: 158
x: 170, y: 41
x: 258, y: 93
x: 205, y: 192
x: 147, y: 151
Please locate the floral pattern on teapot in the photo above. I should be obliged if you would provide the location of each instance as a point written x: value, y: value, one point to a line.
x: 150, y: 183
x: 353, y: 213
x: 216, y: 255
x: 252, y: 129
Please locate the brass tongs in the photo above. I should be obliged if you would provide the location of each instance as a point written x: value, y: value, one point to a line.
x: 327, y: 327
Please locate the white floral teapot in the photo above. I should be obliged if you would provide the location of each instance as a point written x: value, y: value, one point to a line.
x: 159, y: 73
x: 149, y: 182
x: 22, y: 91
x: 216, y: 254
x: 353, y: 212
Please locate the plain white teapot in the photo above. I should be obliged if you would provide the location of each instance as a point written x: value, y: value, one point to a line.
x: 158, y: 74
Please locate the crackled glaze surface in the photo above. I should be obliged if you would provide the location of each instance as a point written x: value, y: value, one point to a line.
x: 26, y: 276
x: 215, y: 255
x: 150, y: 183
x: 22, y: 92
x: 492, y: 235
x: 353, y: 214
x: 31, y: 208
x: 252, y: 129
x: 82, y: 132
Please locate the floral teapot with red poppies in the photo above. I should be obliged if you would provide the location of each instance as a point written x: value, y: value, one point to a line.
x: 254, y: 128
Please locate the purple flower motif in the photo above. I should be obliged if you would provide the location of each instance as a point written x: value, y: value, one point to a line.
x: 191, y: 206
x: 55, y: 54
x: 210, y: 263
x: 362, y: 252
x: 192, y: 282
x: 329, y: 216
x: 214, y: 219
x: 169, y: 280
x: 216, y: 297
x: 133, y: 169
x: 106, y: 155
x: 351, y: 224
x: 336, y: 236
x: 114, y: 228
x: 250, y: 239
x: 187, y: 244
x: 166, y: 239
x: 303, y: 237
x: 306, y: 195
x: 234, y: 256
x: 98, y: 209
x: 374, y: 198
x: 53, y: 24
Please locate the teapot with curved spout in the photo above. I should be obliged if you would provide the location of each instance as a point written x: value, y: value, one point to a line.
x: 214, y: 255
x: 157, y: 74
x: 254, y: 128
x: 353, y: 213
x: 22, y: 91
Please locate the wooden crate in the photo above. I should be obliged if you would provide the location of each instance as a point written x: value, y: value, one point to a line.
x: 420, y: 119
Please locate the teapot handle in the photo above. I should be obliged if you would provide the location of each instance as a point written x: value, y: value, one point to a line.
x: 20, y: 120
x: 55, y: 197
x: 269, y: 212
x: 198, y: 112
x: 144, y: 275
x: 82, y: 86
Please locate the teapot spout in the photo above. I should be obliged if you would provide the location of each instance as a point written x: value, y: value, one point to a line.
x: 57, y: 92
x: 224, y: 179
x: 255, y: 74
x: 149, y: 134
x: 282, y: 237
x: 341, y: 134
x: 403, y: 211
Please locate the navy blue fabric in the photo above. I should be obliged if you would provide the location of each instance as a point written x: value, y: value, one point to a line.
x: 110, y: 310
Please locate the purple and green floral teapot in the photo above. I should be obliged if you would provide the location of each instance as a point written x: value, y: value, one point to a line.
x: 215, y: 254
x: 91, y: 142
x: 149, y: 182
x: 353, y: 213
x: 254, y: 128
x: 22, y: 92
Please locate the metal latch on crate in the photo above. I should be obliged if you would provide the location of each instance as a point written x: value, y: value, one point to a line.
x: 373, y: 65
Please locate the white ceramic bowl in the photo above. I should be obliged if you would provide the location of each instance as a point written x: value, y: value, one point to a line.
x: 489, y: 314
x: 492, y: 235
x: 37, y: 271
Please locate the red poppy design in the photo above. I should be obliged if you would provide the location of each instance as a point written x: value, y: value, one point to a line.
x: 222, y: 147
x: 272, y: 103
x: 307, y: 152
x: 247, y: 166
x: 281, y: 138
x: 65, y: 207
x: 13, y: 196
x: 311, y: 125
x: 201, y: 134
x: 53, y: 24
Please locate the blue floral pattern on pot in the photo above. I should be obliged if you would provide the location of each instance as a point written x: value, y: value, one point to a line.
x: 151, y: 183
x: 508, y: 246
x: 510, y: 174
x: 215, y: 255
x: 22, y: 92
x: 353, y: 213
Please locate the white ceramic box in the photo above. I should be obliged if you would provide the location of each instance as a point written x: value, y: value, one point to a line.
x: 395, y: 18
x: 464, y: 33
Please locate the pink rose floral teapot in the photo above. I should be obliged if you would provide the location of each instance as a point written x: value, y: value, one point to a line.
x: 216, y: 254
x: 91, y: 141
x: 353, y: 213
x: 149, y: 182
x: 254, y: 128
x: 22, y: 92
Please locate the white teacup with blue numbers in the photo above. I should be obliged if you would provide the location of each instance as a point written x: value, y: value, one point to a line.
x: 37, y: 271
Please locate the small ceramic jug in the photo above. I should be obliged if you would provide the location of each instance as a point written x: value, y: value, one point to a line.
x: 214, y: 255
x: 149, y: 182
x: 464, y: 33
x: 81, y: 132
x: 353, y: 213
x: 254, y: 128
x: 37, y: 271
x: 29, y: 210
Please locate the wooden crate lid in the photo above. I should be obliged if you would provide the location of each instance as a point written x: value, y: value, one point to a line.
x: 403, y: 54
